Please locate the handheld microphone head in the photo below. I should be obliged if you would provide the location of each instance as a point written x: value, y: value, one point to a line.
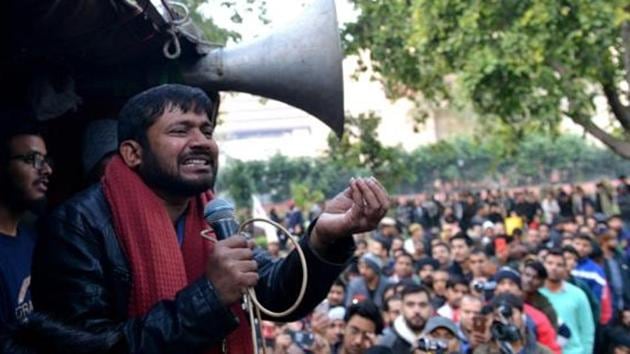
x: 219, y: 214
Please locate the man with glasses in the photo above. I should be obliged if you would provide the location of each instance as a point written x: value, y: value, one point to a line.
x: 25, y: 169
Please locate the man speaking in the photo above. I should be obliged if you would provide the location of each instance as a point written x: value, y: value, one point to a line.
x: 126, y: 257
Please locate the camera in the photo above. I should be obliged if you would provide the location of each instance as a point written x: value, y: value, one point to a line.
x: 483, y: 286
x: 432, y: 346
x: 503, y: 329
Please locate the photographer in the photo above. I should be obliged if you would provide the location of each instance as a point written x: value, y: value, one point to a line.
x: 440, y: 337
x: 509, y: 332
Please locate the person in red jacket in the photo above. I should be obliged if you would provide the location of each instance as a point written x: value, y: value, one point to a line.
x: 509, y: 281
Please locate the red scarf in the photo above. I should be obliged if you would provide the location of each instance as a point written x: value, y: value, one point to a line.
x: 159, y: 267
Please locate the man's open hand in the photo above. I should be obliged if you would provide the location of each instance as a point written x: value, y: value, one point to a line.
x: 357, y: 209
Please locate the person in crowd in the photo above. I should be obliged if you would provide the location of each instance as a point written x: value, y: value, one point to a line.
x: 25, y: 171
x: 403, y: 269
x: 336, y: 297
x: 439, y: 281
x: 570, y: 304
x: 417, y: 244
x: 617, y: 271
x: 391, y: 309
x: 380, y: 249
x: 371, y: 284
x: 456, y: 288
x: 571, y: 257
x: 100, y: 142
x: 478, y: 263
x: 444, y: 331
x: 363, y: 324
x: 335, y: 328
x: 509, y: 282
x: 426, y: 266
x: 593, y: 275
x: 461, y: 245
x: 533, y: 278
x: 470, y: 313
x: 127, y: 255
x: 407, y: 329
x: 519, y: 339
x: 441, y: 252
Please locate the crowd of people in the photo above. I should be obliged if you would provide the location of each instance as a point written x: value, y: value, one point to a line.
x: 521, y: 271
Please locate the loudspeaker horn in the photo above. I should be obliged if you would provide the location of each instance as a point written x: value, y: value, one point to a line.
x: 299, y: 64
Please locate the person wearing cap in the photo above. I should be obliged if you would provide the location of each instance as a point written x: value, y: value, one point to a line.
x: 522, y: 342
x: 371, y: 283
x: 403, y: 336
x: 509, y: 282
x: 443, y: 330
x: 100, y: 143
x: 335, y: 328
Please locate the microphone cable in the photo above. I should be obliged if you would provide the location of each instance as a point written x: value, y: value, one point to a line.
x: 254, y: 307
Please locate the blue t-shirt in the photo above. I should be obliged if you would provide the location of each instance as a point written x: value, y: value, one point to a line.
x: 16, y: 254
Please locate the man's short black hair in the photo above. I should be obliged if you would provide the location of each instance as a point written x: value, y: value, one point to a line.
x: 339, y: 282
x: 366, y: 309
x: 538, y: 267
x: 558, y: 252
x: 414, y: 289
x: 14, y: 124
x: 455, y: 280
x: 441, y: 244
x: 386, y: 302
x: 572, y: 250
x: 584, y: 236
x: 462, y: 236
x: 143, y: 109
x: 478, y: 250
x: 405, y: 254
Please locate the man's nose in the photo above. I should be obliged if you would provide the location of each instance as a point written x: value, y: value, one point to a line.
x: 46, y: 169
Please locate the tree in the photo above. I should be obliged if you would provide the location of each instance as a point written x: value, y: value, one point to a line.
x: 523, y: 64
x: 219, y: 35
x: 360, y: 149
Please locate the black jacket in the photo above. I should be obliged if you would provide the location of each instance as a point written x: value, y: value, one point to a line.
x: 80, y: 275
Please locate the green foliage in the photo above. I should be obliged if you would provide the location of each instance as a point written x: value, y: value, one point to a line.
x: 216, y: 34
x: 524, y: 64
x: 468, y: 162
x: 360, y: 149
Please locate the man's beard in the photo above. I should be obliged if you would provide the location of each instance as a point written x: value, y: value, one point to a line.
x: 416, y: 327
x: 13, y: 197
x: 155, y: 176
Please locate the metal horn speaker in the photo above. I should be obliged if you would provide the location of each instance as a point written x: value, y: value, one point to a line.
x: 299, y: 64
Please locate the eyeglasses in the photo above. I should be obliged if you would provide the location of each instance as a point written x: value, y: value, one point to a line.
x: 34, y: 159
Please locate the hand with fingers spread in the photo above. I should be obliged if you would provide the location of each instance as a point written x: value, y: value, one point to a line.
x: 232, y: 268
x: 357, y: 209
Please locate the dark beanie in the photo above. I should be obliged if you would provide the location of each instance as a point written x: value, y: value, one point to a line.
x: 508, y: 273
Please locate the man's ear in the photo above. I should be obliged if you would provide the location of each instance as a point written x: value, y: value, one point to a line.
x: 131, y: 153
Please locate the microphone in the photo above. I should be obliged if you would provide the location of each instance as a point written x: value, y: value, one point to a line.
x: 219, y: 214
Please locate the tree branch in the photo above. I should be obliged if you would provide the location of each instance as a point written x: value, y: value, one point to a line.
x: 621, y: 112
x: 621, y: 147
x: 625, y: 43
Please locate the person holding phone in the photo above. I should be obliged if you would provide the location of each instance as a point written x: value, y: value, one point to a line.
x: 472, y: 325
